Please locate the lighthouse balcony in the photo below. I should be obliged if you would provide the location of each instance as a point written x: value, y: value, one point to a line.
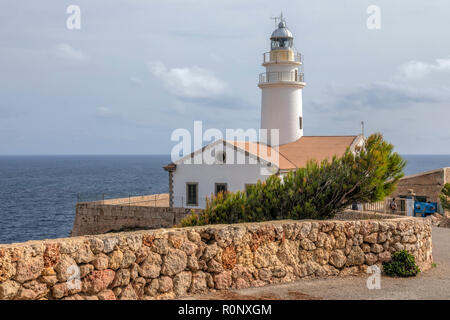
x: 282, y: 56
x: 281, y: 77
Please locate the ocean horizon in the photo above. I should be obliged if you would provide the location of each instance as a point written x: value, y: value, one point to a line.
x: 38, y: 193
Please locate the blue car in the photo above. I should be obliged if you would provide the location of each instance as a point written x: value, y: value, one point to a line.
x: 424, y: 208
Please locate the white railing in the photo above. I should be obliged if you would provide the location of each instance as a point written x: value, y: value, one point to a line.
x: 273, y: 77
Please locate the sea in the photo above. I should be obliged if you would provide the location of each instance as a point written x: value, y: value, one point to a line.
x: 38, y: 194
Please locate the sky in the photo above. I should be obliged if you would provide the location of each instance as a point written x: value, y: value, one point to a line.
x: 136, y: 70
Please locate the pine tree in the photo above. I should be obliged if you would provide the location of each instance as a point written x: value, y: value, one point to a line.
x: 318, y: 191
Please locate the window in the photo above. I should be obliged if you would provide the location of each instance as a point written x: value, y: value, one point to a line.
x: 220, y: 187
x: 300, y: 120
x: 192, y: 193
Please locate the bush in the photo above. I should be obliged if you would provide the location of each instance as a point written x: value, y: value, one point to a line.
x: 318, y: 191
x: 445, y: 196
x: 403, y: 264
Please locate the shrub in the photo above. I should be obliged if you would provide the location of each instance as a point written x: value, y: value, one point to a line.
x: 403, y: 264
x: 445, y: 196
x: 318, y: 191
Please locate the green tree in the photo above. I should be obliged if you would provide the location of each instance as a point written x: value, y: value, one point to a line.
x: 445, y: 196
x: 318, y: 191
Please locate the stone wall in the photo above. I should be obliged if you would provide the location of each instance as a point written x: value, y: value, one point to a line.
x: 170, y: 263
x: 427, y: 184
x: 97, y: 218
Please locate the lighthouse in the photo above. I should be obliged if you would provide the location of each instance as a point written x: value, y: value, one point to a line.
x: 281, y: 87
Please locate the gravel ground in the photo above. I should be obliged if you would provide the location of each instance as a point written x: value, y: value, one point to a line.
x: 430, y: 284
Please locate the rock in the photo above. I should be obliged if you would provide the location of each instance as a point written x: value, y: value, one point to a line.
x: 265, y: 274
x: 128, y: 293
x: 161, y: 246
x: 384, y: 256
x: 214, y: 266
x: 174, y: 262
x: 51, y: 254
x: 152, y: 288
x: 321, y: 256
x: 398, y: 246
x: 8, y: 289
x: 138, y: 285
x: 29, y: 269
x: 109, y: 244
x: 176, y: 241
x: 382, y: 237
x: 122, y: 278
x: 376, y: 248
x: 356, y: 257
x: 371, y: 238
x: 66, y: 268
x: 128, y: 259
x: 149, y: 270
x: 60, y: 290
x: 304, y: 255
x: 307, y: 244
x: 194, y: 236
x: 85, y: 269
x: 371, y: 258
x: 96, y: 245
x: 210, y: 252
x: 165, y: 284
x: 198, y: 282
x: 305, y: 229
x: 365, y: 248
x: 182, y: 282
x: 48, y: 280
x: 352, y: 271
x: 115, y: 259
x: 228, y: 258
x: 223, y: 280
x: 84, y: 254
x: 192, y: 263
x: 337, y: 258
x: 278, y: 272
x: 106, y: 295
x: 188, y: 247
x: 101, y: 262
x: 98, y: 281
x: 25, y: 294
x: 340, y: 241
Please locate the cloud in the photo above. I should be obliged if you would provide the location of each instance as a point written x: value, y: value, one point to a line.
x: 191, y: 83
x: 380, y: 95
x: 66, y: 51
x: 415, y: 70
x: 104, y: 112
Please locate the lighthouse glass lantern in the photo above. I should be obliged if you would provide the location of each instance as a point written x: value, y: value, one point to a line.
x: 281, y: 38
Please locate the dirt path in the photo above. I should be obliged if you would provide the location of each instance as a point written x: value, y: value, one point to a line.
x: 431, y: 284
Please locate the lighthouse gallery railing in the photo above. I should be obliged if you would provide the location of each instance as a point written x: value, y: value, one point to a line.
x: 270, y: 77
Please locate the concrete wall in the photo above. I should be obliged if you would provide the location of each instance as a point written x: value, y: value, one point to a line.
x: 97, y: 218
x: 171, y: 263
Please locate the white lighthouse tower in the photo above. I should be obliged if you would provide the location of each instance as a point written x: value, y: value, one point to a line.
x: 281, y: 85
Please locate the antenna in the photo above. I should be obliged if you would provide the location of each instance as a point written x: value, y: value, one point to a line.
x: 280, y: 17
x: 362, y: 128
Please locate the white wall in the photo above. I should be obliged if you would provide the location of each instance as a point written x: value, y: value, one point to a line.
x: 206, y: 175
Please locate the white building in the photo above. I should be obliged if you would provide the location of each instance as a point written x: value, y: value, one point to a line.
x: 231, y: 165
